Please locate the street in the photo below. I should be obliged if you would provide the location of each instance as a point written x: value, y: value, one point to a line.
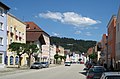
x: 75, y: 71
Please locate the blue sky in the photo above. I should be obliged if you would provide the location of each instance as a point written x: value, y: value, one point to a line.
x: 78, y: 19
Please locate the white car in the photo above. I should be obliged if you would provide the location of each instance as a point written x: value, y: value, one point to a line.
x: 110, y: 75
x: 67, y: 63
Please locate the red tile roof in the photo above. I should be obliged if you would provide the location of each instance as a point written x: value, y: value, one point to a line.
x: 33, y: 32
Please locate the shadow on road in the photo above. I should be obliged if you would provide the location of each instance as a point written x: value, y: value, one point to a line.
x: 83, y: 72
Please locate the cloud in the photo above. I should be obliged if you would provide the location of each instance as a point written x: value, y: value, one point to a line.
x: 55, y: 34
x: 71, y: 18
x: 78, y: 32
x: 88, y: 34
x: 52, y: 15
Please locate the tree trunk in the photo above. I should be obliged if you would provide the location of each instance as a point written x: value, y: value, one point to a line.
x: 19, y: 64
x: 29, y: 61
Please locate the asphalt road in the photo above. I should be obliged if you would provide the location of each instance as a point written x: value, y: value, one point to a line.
x: 75, y: 71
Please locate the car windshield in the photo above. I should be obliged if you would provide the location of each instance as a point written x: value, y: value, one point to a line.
x: 112, y: 77
x: 44, y: 62
x: 98, y: 70
x: 67, y: 62
x: 36, y: 63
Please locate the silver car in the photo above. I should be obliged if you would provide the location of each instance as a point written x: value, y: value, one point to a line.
x: 36, y: 65
x: 110, y: 75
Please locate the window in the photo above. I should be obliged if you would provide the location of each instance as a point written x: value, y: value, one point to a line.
x: 118, y: 27
x: 11, y: 60
x: 1, y: 11
x: 16, y: 60
x: 6, y: 60
x: 10, y: 29
x: 1, y: 25
x: 1, y: 40
x: 0, y: 58
x: 10, y: 41
x: 19, y: 33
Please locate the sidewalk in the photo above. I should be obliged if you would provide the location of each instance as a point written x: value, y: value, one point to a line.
x: 6, y: 71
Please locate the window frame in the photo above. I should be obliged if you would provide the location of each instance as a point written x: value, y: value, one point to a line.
x: 1, y: 40
x: 1, y: 26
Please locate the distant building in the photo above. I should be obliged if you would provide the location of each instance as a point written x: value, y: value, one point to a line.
x: 104, y: 49
x: 52, y: 53
x: 3, y: 33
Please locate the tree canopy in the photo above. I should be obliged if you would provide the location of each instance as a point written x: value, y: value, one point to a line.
x: 72, y: 44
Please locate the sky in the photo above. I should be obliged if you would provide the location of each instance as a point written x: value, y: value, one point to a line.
x: 78, y: 19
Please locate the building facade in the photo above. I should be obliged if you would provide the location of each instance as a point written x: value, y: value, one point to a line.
x: 34, y: 34
x: 3, y: 33
x: 118, y: 40
x: 16, y: 32
x: 111, y: 41
x: 104, y: 48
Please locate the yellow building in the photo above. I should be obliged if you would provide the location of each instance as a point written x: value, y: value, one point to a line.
x: 16, y: 32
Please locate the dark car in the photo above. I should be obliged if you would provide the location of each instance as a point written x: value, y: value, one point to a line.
x: 45, y: 64
x: 36, y: 65
x: 95, y: 72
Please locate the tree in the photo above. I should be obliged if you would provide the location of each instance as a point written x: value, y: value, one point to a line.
x: 30, y: 49
x: 93, y: 56
x: 56, y: 56
x: 64, y: 57
x: 17, y: 48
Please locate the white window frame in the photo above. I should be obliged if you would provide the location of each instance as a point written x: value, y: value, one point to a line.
x: 1, y: 41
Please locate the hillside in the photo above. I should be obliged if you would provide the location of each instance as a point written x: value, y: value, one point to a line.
x: 72, y: 44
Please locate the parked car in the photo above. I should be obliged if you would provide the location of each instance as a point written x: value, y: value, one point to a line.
x: 45, y: 64
x: 36, y: 65
x: 67, y: 63
x: 95, y: 72
x: 110, y: 75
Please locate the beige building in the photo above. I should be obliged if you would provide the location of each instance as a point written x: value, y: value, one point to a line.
x: 16, y: 32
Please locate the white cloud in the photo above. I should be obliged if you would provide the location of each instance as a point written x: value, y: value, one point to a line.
x: 88, y: 34
x: 78, y: 32
x: 51, y: 15
x: 69, y: 18
x: 55, y: 34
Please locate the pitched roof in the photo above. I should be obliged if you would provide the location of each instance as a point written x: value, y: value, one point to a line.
x: 33, y: 36
x: 4, y: 6
x: 34, y: 32
x: 32, y: 27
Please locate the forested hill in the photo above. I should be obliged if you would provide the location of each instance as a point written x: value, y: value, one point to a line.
x: 72, y: 44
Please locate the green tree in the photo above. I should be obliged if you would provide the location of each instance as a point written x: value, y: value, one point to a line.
x: 30, y: 49
x: 93, y: 56
x: 19, y: 49
x: 64, y: 58
x: 56, y: 56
